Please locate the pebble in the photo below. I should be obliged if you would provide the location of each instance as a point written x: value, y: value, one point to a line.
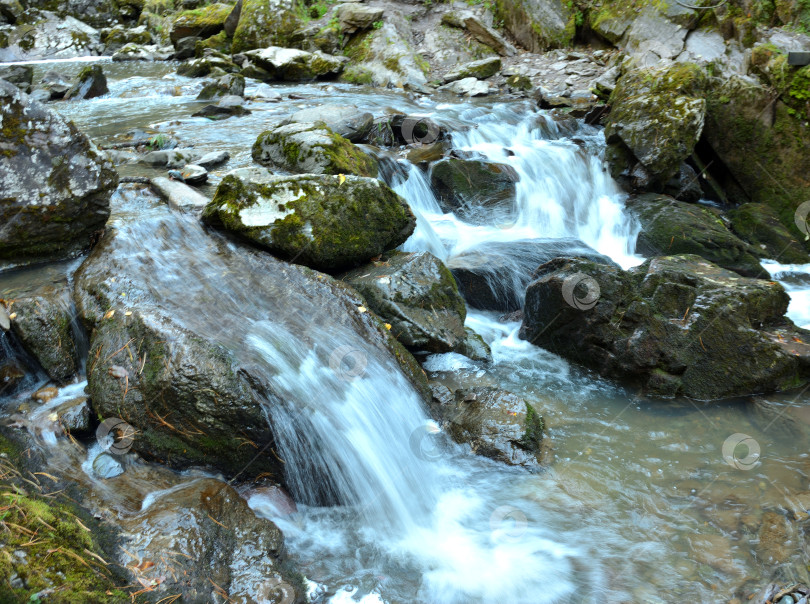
x: 105, y: 466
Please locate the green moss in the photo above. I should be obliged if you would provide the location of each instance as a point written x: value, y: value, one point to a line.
x: 261, y: 25
x: 357, y: 75
x: 358, y: 48
x: 535, y: 428
x: 213, y: 15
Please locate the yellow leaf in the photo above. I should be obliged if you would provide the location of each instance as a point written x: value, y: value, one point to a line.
x: 109, y: 314
x: 12, y: 316
x: 128, y: 313
x: 362, y: 308
x: 388, y: 326
x: 341, y: 178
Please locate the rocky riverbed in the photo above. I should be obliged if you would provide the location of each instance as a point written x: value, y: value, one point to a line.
x: 404, y: 302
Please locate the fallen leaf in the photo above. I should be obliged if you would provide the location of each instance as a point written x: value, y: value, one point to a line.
x: 12, y: 316
x: 128, y: 313
x: 362, y: 309
x: 341, y: 178
x: 109, y: 314
x: 388, y: 326
x: 118, y: 372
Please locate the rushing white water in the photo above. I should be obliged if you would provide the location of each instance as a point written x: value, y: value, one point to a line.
x: 796, y: 280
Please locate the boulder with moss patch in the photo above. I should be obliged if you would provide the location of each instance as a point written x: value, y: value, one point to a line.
x: 656, y: 119
x: 669, y: 226
x: 417, y: 295
x: 466, y: 186
x: 46, y: 35
x: 325, y: 222
x: 89, y: 84
x: 538, y: 24
x: 760, y: 226
x: 119, y: 36
x: 55, y: 184
x: 264, y: 23
x: 293, y: 65
x: 481, y: 69
x: 676, y: 325
x: 203, y: 22
x: 312, y: 149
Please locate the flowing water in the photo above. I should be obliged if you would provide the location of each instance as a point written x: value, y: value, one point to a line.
x: 639, y: 504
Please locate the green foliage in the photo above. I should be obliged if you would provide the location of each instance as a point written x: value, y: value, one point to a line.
x: 377, y: 25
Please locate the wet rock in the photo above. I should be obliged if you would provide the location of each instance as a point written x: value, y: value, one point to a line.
x: 226, y: 107
x: 119, y: 36
x: 346, y: 120
x: 715, y: 551
x: 264, y: 23
x: 74, y: 415
x: 423, y: 154
x: 235, y: 553
x: 186, y: 48
x: 89, y: 84
x: 135, y: 52
x: 213, y: 159
x: 674, y: 227
x: 467, y: 87
x: 202, y: 22
x: 228, y: 84
x: 354, y: 17
x: 173, y: 159
x: 463, y: 186
x: 312, y: 149
x: 759, y: 225
x: 316, y: 37
x: 325, y: 222
x: 656, y: 118
x: 480, y: 31
x: 539, y: 24
x: 293, y: 65
x: 20, y: 75
x: 49, y: 170
x: 56, y: 85
x: 474, y: 347
x: 494, y: 276
x: 209, y: 65
x: 580, y: 101
x: 495, y: 423
x: 196, y: 395
x: 48, y: 36
x: 43, y: 323
x: 417, y: 295
x: 106, y: 466
x: 178, y: 195
x: 193, y: 174
x: 482, y: 70
x: 678, y: 325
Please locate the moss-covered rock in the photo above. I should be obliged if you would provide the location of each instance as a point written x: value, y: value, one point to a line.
x: 89, y: 84
x: 312, y: 149
x: 656, y: 119
x: 676, y: 325
x: 203, y: 22
x: 212, y: 64
x: 42, y: 322
x: 465, y: 185
x: 538, y: 24
x: 481, y: 69
x: 231, y: 84
x: 494, y: 423
x: 760, y: 226
x: 55, y: 185
x: 119, y: 36
x: 418, y: 296
x: 48, y: 544
x: 325, y: 222
x: 669, y: 226
x: 264, y: 23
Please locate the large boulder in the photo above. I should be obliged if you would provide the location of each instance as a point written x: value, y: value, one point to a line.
x: 494, y: 274
x: 539, y: 24
x: 55, y: 184
x: 676, y: 325
x: 481, y: 69
x: 417, y: 295
x: 119, y: 36
x: 291, y: 64
x: 230, y: 84
x: 669, y: 226
x: 311, y: 148
x: 201, y: 355
x: 21, y: 76
x: 353, y: 17
x: 494, y: 423
x: 44, y: 324
x: 656, y: 119
x: 45, y: 35
x: 479, y: 30
x: 466, y: 185
x: 235, y: 553
x: 265, y: 23
x: 325, y: 222
x: 202, y: 22
x: 760, y: 226
x: 346, y: 120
